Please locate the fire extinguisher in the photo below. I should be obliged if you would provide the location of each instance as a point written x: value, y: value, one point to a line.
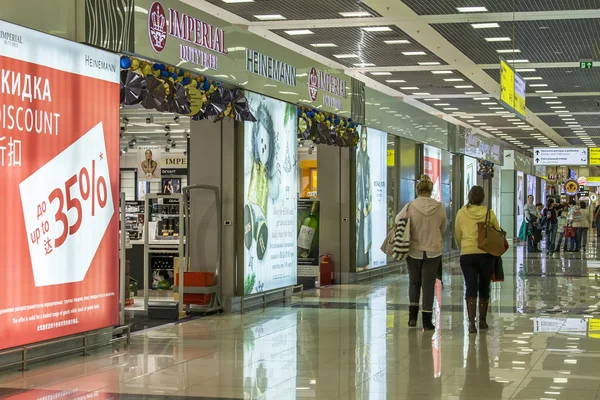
x: 326, y: 270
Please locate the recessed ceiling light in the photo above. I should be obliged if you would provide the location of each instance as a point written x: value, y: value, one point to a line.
x: 533, y: 78
x: 557, y: 107
x: 525, y: 69
x: 517, y: 61
x: 441, y: 104
x: 544, y: 91
x: 238, y: 1
x: 410, y: 88
x: 323, y: 45
x: 502, y: 112
x: 471, y: 9
x: 297, y: 32
x: 554, y: 102
x: 489, y: 104
x: 481, y: 98
x: 421, y: 94
x: 504, y: 51
x: 496, y: 108
x: 464, y: 87
x: 514, y: 120
x: 454, y: 80
x: 414, y: 53
x: 519, y: 123
x: 349, y: 55
x: 528, y: 129
x: 561, y: 111
x: 359, y: 65
x: 473, y: 93
x: 565, y: 115
x: 480, y: 123
x: 508, y: 116
x: 450, y: 109
x: 549, y: 97
x: 396, y: 41
x: 432, y: 99
x: 568, y: 119
x: 381, y: 73
x: 395, y: 81
x: 486, y: 25
x: 498, y: 39
x: 441, y: 72
x: 429, y: 63
x: 354, y: 14
x: 538, y: 85
x: 376, y: 29
x: 270, y: 17
x: 474, y: 120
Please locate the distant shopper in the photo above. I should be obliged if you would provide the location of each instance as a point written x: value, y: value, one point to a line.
x: 574, y: 220
x: 561, y: 218
x: 550, y: 215
x: 531, y: 218
x: 427, y: 224
x: 586, y: 223
x: 477, y: 265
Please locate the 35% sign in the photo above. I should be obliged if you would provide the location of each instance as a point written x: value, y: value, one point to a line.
x: 89, y: 188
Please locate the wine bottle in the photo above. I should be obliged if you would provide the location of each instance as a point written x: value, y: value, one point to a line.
x: 307, y: 231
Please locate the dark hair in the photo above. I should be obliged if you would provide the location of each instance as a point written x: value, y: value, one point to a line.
x: 572, y: 203
x: 549, y: 202
x: 583, y: 204
x: 530, y: 195
x: 476, y: 196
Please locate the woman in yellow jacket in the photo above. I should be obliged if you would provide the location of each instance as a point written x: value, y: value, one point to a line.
x: 477, y: 265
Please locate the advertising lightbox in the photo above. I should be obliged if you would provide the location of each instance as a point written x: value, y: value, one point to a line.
x: 470, y: 176
x: 371, y: 199
x: 59, y: 163
x: 520, y: 198
x: 432, y: 166
x: 270, y: 185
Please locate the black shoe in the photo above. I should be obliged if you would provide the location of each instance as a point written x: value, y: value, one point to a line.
x: 427, y: 323
x: 413, y: 314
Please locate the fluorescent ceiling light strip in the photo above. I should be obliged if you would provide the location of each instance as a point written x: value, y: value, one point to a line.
x: 442, y: 72
x: 381, y: 73
x: 354, y: 14
x: 486, y: 25
x: 319, y: 45
x: 471, y: 9
x: 398, y: 41
x: 270, y: 17
x: 349, y: 55
x: 376, y: 29
x: 498, y: 39
x: 297, y: 32
x: 395, y: 81
x: 429, y: 63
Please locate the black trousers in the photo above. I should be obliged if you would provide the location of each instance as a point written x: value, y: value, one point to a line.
x: 477, y: 270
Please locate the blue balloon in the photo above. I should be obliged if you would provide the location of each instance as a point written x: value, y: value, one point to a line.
x: 181, y: 72
x: 125, y: 62
x: 156, y: 66
x: 186, y: 81
x: 164, y: 74
x: 206, y: 85
x: 162, y: 67
x: 299, y: 112
x: 173, y: 75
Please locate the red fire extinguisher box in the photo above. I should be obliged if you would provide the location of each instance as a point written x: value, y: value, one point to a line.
x: 326, y: 270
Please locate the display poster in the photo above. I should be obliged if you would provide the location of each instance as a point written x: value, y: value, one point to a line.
x: 532, y: 188
x: 308, y: 232
x: 171, y: 185
x: 149, y: 163
x: 270, y: 182
x: 543, y: 192
x: 520, y: 198
x: 470, y: 176
x: 371, y: 199
x: 432, y: 166
x: 59, y: 170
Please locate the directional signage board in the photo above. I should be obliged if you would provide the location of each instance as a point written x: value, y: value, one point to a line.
x: 560, y: 156
x: 595, y: 156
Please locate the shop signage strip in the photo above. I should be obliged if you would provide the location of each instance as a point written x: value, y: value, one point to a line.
x: 560, y: 156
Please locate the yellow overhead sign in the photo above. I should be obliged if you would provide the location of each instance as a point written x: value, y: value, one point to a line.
x: 595, y: 156
x: 507, y: 84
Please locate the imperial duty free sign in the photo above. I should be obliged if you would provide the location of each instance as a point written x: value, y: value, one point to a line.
x: 560, y: 156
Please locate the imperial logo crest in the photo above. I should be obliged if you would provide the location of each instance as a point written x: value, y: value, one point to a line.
x: 157, y: 27
x: 313, y: 84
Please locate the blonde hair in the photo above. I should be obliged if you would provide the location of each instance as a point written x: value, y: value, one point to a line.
x: 424, y: 186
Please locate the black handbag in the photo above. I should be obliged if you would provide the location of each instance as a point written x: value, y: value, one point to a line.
x: 498, y: 272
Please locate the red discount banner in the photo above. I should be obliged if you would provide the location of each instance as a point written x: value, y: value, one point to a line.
x: 59, y: 168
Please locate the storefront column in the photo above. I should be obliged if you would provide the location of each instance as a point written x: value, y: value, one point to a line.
x: 337, y: 168
x: 508, y: 202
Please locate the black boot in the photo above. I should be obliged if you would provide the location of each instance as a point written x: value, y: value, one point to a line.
x: 413, y: 314
x: 483, y: 310
x: 427, y: 324
x: 472, y: 312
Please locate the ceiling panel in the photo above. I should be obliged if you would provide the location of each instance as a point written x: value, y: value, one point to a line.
x: 294, y: 10
x: 539, y: 41
x: 367, y: 46
x: 428, y: 82
x: 438, y: 7
x: 584, y: 120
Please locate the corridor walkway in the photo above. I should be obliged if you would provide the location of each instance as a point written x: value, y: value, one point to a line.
x: 352, y: 342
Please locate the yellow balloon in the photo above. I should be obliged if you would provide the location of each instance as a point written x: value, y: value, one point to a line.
x: 135, y: 64
x: 147, y: 69
x: 156, y: 73
x: 193, y: 83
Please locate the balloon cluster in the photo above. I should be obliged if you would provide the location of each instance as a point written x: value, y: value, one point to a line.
x: 167, y: 88
x: 486, y: 169
x: 326, y: 128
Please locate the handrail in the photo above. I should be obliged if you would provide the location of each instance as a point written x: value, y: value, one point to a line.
x: 24, y: 349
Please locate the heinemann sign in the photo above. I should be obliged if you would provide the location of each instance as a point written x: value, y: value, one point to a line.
x: 263, y: 65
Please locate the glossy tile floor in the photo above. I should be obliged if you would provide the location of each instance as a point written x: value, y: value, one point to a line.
x: 352, y: 342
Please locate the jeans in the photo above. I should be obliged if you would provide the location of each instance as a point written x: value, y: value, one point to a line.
x: 561, y: 236
x: 477, y: 270
x: 583, y: 237
x: 551, y: 238
x: 422, y: 274
x: 576, y: 241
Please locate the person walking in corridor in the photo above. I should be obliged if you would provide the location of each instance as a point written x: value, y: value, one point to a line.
x: 477, y: 265
x: 531, y: 217
x: 586, y: 223
x: 427, y: 224
x: 551, y: 225
x: 574, y: 220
